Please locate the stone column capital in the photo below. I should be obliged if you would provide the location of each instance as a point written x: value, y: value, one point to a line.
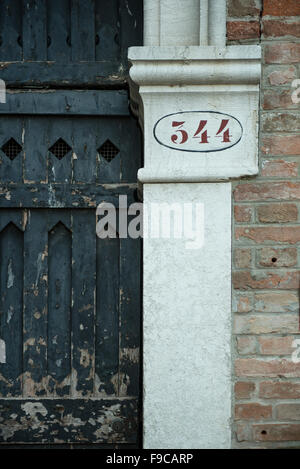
x: 175, y: 90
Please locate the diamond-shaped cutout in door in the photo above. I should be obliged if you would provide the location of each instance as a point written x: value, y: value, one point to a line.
x: 60, y: 148
x: 108, y: 151
x: 11, y: 148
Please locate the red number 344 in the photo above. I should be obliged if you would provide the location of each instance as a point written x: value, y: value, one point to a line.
x: 200, y: 133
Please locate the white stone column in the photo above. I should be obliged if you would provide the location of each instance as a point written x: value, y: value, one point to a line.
x: 198, y: 106
x: 187, y: 326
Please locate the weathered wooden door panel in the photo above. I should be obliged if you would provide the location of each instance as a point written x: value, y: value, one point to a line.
x: 70, y: 320
x: 58, y: 421
x: 49, y: 145
x: 69, y: 301
x: 62, y: 333
x: 68, y: 42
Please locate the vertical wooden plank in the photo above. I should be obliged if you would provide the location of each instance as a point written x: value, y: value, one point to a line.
x: 11, y: 170
x: 130, y: 316
x: 107, y: 171
x: 10, y: 215
x: 59, y: 30
x: 84, y: 150
x: 109, y: 128
x: 60, y: 170
x: 35, y: 149
x: 107, y: 317
x: 34, y: 30
x: 11, y: 30
x: 35, y: 304
x: 11, y: 309
x: 83, y: 311
x: 59, y: 309
x: 131, y: 149
x: 131, y: 19
x: 107, y: 30
x: 83, y: 30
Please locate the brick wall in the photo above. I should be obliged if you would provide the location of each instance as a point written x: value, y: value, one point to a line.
x: 266, y: 234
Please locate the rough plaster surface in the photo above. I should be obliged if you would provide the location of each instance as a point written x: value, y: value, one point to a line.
x: 187, y: 326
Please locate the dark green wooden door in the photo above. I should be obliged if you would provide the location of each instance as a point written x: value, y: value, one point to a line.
x: 69, y: 301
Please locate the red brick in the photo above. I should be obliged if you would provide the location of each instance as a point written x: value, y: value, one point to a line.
x: 279, y: 168
x: 253, y: 411
x: 246, y: 345
x: 270, y: 324
x: 281, y: 7
x: 242, y: 213
x: 244, y: 390
x: 276, y: 302
x: 279, y: 390
x: 278, y: 99
x: 239, y: 30
x: 282, y: 76
x: 269, y: 257
x: 245, y: 280
x: 267, y: 191
x: 281, y: 145
x: 243, y: 432
x: 240, y: 8
x: 276, y: 345
x: 288, y: 412
x: 276, y: 432
x: 281, y: 122
x: 261, y: 234
x: 285, y: 53
x: 274, y: 369
x: 242, y: 258
x: 242, y: 303
x: 277, y: 213
x: 274, y: 28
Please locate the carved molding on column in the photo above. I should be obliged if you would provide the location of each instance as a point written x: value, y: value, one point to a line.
x: 185, y: 66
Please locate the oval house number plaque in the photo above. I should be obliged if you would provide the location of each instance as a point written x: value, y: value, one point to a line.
x: 198, y: 131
